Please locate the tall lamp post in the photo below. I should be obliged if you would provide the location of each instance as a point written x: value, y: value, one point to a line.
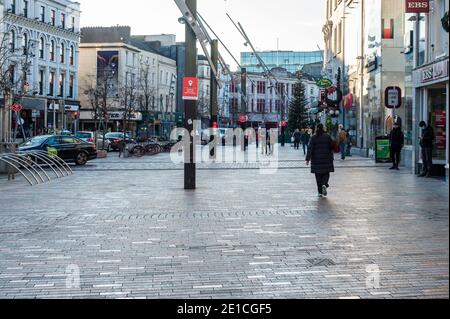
x: 190, y: 106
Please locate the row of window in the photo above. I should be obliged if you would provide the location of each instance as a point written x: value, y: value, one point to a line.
x: 261, y: 88
x: 61, y: 84
x: 43, y: 15
x: 52, y: 50
x: 261, y: 106
x: 51, y: 82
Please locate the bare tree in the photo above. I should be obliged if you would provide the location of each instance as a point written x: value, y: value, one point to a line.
x: 128, y: 94
x: 14, y: 59
x: 147, y: 92
x: 102, y: 95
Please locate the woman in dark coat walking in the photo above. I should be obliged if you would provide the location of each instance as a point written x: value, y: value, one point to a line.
x: 321, y: 156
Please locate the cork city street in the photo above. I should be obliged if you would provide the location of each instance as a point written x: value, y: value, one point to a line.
x: 189, y: 152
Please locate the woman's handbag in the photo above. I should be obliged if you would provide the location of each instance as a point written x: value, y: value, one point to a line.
x: 335, y: 146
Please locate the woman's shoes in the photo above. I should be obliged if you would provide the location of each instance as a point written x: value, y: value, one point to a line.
x: 324, y: 191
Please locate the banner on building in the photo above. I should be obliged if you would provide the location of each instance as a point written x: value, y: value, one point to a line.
x: 108, y: 71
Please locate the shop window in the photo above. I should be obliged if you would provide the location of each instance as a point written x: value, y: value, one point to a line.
x: 388, y: 28
x: 437, y: 99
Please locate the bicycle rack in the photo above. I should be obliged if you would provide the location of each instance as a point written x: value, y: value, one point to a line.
x: 27, y: 164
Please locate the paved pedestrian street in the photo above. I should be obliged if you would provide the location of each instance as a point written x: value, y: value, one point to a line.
x: 126, y: 228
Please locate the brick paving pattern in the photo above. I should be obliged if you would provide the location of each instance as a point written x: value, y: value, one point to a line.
x: 131, y: 231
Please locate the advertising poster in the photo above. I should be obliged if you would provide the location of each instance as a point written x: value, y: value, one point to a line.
x: 108, y: 70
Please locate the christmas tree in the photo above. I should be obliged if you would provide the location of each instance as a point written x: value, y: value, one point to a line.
x: 298, y: 118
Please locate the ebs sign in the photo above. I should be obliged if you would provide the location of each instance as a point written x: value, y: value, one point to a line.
x: 417, y: 6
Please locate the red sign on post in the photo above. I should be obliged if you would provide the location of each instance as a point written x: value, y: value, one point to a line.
x: 417, y: 6
x: 190, y: 89
x: 16, y: 107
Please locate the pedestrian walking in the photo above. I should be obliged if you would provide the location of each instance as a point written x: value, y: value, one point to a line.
x: 320, y: 155
x: 397, y: 141
x: 268, y: 143
x: 426, y: 143
x: 305, y: 141
x: 122, y: 146
x: 297, y: 137
x: 342, y: 141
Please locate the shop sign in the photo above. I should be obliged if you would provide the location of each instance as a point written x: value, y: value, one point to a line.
x: 116, y: 116
x: 372, y: 63
x: 417, y: 6
x: 431, y: 73
x: 71, y: 108
x: 324, y: 83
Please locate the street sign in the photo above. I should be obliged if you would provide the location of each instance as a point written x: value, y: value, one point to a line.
x: 190, y: 88
x: 16, y: 107
x: 393, y: 97
x: 417, y: 6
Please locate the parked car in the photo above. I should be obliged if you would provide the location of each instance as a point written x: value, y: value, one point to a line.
x: 67, y: 147
x: 116, y: 138
x: 89, y: 137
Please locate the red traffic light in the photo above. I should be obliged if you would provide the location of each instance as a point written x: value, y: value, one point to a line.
x: 283, y: 123
x: 215, y: 125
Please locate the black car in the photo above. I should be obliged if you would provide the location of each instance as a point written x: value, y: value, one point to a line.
x: 117, y: 138
x: 69, y: 148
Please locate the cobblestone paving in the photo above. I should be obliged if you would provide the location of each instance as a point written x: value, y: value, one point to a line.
x: 135, y: 233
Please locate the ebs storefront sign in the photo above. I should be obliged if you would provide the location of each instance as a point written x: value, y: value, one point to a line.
x: 417, y: 6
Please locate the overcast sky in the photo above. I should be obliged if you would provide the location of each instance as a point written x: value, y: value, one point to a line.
x: 296, y: 23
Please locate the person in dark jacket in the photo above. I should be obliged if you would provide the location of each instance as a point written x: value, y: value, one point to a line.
x: 297, y: 136
x: 321, y: 156
x: 426, y: 143
x: 397, y: 139
x: 305, y: 140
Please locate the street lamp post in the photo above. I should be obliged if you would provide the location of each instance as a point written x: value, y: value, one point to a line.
x: 190, y: 106
x: 213, y: 93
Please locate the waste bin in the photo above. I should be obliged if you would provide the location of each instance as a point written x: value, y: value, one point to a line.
x: 383, y: 150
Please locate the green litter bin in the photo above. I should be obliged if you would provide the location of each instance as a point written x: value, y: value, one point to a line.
x: 383, y: 150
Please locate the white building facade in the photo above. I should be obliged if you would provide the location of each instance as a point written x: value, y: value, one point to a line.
x: 43, y: 37
x: 133, y: 60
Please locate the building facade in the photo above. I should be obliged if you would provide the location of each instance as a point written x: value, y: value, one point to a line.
x: 40, y: 50
x: 430, y: 80
x: 364, y: 55
x: 290, y: 60
x: 267, y: 100
x: 141, y: 74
